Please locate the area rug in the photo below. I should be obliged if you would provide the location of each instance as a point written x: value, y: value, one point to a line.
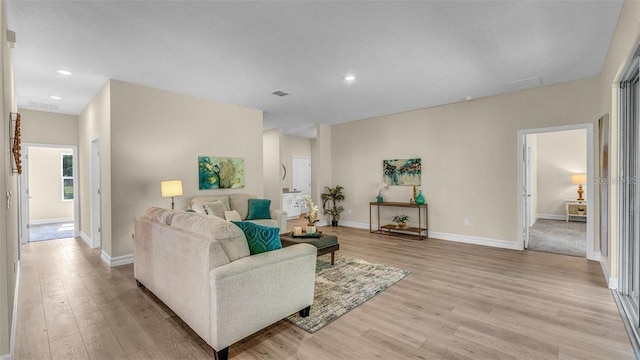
x: 344, y: 286
x: 50, y: 231
x: 559, y: 237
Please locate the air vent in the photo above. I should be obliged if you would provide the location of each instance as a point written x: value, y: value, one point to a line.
x: 280, y: 93
x: 41, y: 105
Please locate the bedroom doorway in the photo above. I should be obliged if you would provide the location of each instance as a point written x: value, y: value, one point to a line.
x: 552, y: 164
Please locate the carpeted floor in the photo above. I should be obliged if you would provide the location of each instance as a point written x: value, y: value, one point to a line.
x: 50, y: 231
x: 559, y: 237
x: 344, y: 286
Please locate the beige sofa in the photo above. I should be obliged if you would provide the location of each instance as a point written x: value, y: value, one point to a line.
x: 240, y: 203
x: 200, y: 267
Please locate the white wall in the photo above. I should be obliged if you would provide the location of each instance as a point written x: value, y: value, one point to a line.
x: 271, y: 146
x: 8, y: 183
x: 532, y: 142
x: 321, y: 164
x: 158, y: 135
x: 560, y: 155
x: 293, y: 146
x: 45, y: 185
x: 469, y: 155
x: 41, y: 127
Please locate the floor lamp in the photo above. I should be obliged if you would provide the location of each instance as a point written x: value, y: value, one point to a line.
x: 171, y: 188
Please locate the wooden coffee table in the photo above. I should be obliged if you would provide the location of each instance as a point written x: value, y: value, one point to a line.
x: 326, y: 243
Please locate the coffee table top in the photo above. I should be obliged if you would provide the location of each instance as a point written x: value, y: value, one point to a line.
x: 325, y: 240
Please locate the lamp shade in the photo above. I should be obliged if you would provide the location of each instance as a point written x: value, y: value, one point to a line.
x: 171, y: 188
x: 579, y: 179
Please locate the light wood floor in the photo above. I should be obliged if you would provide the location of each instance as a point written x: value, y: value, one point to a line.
x: 460, y: 302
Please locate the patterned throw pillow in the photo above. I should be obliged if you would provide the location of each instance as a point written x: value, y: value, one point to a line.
x: 260, y: 238
x: 259, y: 209
x: 216, y: 208
x: 232, y: 215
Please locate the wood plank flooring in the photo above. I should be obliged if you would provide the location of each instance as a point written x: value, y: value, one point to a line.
x: 459, y: 302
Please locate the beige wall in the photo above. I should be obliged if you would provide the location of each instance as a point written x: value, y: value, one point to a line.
x: 321, y: 164
x: 271, y: 154
x: 8, y: 211
x: 158, y: 135
x: 41, y: 127
x: 293, y: 146
x: 560, y: 155
x: 623, y: 45
x: 95, y: 122
x: 468, y: 151
x: 532, y: 142
x: 45, y: 185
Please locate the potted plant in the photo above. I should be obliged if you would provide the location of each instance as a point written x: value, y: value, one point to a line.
x: 330, y: 200
x: 401, y: 220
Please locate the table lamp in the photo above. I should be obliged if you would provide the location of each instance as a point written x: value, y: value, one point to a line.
x: 171, y: 188
x: 579, y: 179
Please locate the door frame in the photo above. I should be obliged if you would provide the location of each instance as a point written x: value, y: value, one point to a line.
x: 95, y: 196
x: 293, y: 176
x: 23, y: 185
x: 592, y: 254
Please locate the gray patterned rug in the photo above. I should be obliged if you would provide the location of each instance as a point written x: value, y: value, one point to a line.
x: 559, y: 237
x: 344, y: 286
x: 50, y: 231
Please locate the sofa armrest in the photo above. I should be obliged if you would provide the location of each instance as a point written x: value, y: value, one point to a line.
x: 281, y: 217
x: 254, y: 292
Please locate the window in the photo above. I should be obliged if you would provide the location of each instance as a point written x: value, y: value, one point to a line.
x: 67, y: 177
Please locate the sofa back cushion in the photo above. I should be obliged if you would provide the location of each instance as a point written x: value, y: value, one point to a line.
x: 198, y: 202
x: 240, y: 203
x: 230, y: 237
x: 159, y: 214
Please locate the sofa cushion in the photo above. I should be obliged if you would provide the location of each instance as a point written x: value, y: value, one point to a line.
x: 230, y: 237
x: 260, y: 238
x: 198, y: 202
x: 240, y: 203
x: 232, y: 216
x: 216, y: 208
x: 259, y: 209
x: 158, y: 214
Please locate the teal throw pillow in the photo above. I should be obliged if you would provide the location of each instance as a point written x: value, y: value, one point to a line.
x: 260, y: 238
x: 259, y: 209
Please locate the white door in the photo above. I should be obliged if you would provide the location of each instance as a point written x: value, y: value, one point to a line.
x: 301, y: 177
x: 96, y: 222
x: 526, y: 191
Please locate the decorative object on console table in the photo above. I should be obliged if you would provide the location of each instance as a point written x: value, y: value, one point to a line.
x: 579, y: 179
x: 401, y: 220
x: 171, y: 188
x: 420, y: 198
x: 330, y: 200
x: 381, y: 188
x: 402, y: 171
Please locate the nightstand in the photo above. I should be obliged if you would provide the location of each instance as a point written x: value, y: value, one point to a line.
x: 576, y: 208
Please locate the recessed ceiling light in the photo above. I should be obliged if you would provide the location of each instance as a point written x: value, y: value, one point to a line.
x: 64, y: 72
x: 55, y: 97
x: 350, y: 77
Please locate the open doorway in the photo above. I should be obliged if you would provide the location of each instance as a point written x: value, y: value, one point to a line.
x: 48, y: 193
x: 554, y: 164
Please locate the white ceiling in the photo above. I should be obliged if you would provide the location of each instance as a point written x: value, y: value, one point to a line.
x: 406, y: 55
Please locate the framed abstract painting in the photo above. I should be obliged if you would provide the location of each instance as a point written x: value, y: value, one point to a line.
x: 220, y: 172
x: 402, y: 172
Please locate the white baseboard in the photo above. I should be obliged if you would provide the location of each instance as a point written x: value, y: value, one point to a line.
x: 14, y: 317
x: 86, y: 238
x: 611, y: 281
x: 50, y: 221
x: 116, y: 261
x: 451, y: 237
x: 594, y: 255
x: 551, y: 217
x: 504, y: 244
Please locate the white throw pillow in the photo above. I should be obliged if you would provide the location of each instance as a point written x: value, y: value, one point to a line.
x: 232, y: 215
x: 216, y: 208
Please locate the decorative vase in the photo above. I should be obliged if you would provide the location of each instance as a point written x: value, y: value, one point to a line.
x: 402, y: 225
x: 379, y: 199
x: 420, y: 198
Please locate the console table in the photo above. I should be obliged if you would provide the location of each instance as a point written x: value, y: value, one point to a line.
x: 392, y: 229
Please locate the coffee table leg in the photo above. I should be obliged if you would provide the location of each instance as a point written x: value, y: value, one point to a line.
x: 332, y: 257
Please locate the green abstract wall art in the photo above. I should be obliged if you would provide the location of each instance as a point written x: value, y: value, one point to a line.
x: 402, y: 171
x: 220, y: 172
